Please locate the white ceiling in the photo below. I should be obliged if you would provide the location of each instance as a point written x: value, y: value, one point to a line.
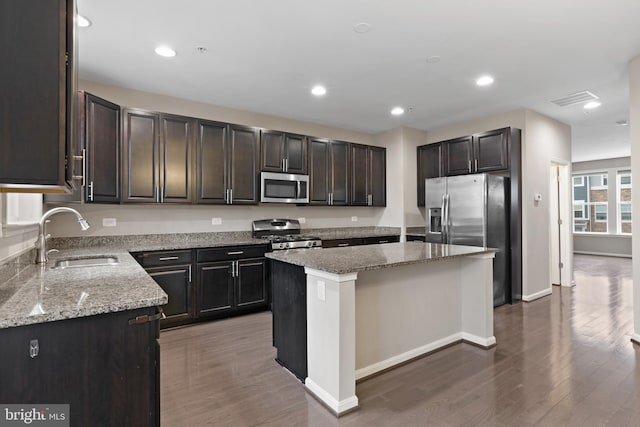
x: 264, y: 56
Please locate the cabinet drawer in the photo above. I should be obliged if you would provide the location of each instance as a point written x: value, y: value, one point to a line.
x: 338, y: 243
x: 156, y: 259
x: 381, y: 239
x: 415, y: 238
x: 228, y: 253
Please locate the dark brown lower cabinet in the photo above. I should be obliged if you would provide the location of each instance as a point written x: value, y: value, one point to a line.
x: 107, y: 370
x: 231, y: 280
x: 415, y: 238
x: 357, y: 241
x: 172, y: 271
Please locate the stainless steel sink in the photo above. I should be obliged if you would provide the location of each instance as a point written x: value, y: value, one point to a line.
x: 89, y: 261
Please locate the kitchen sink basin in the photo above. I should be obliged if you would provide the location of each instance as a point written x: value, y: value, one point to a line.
x: 89, y: 261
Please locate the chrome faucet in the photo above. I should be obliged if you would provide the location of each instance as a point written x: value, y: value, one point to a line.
x: 41, y: 243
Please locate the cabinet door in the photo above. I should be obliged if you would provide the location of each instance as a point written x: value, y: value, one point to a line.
x: 429, y: 166
x: 272, y: 146
x: 319, y: 178
x: 140, y: 178
x: 359, y: 175
x: 244, y: 164
x: 377, y: 176
x: 459, y: 156
x: 251, y: 283
x: 339, y: 152
x: 102, y: 141
x: 491, y: 151
x: 296, y: 153
x: 211, y: 169
x: 176, y: 282
x: 176, y: 159
x: 215, y: 288
x: 36, y: 91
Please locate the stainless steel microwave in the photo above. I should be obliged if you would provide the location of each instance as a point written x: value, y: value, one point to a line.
x: 284, y: 188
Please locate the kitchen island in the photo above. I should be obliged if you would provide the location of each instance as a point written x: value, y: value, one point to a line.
x: 369, y: 308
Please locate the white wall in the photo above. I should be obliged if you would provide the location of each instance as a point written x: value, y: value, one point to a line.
x: 611, y: 243
x: 634, y: 133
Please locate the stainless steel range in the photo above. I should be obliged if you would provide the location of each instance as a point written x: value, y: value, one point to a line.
x: 284, y: 234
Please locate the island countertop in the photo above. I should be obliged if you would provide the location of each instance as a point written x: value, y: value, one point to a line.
x: 37, y: 295
x: 353, y: 259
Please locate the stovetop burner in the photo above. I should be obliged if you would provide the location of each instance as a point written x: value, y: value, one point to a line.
x: 284, y: 234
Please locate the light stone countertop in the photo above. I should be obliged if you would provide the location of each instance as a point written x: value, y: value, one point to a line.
x: 352, y: 259
x: 37, y: 295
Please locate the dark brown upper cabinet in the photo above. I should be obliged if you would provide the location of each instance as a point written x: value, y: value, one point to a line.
x: 38, y: 95
x: 368, y: 175
x: 100, y: 131
x: 328, y: 172
x: 227, y: 163
x: 482, y: 152
x: 157, y: 157
x: 430, y: 160
x: 283, y: 152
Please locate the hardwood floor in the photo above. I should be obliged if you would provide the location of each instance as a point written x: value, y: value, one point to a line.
x: 563, y: 360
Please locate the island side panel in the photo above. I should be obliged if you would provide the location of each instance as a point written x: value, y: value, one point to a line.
x: 331, y: 339
x: 477, y: 299
x: 404, y: 312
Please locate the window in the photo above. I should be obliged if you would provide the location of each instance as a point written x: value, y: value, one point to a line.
x: 600, y: 212
x: 590, y: 203
x: 624, y: 202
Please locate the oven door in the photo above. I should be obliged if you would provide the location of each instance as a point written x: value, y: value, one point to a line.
x: 284, y: 188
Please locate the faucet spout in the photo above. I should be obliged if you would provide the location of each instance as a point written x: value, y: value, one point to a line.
x: 41, y: 242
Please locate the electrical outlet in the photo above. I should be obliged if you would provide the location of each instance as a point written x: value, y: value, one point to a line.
x: 302, y: 220
x: 216, y: 221
x: 354, y: 219
x: 321, y: 290
x: 109, y: 222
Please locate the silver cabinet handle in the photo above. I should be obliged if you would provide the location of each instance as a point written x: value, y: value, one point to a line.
x: 82, y: 158
x: 231, y: 196
x: 469, y: 166
x: 369, y: 200
x: 282, y: 165
x: 383, y: 241
x: 156, y: 194
x: 168, y: 258
x: 161, y: 194
x: 235, y: 253
x: 189, y: 274
x: 476, y: 165
x: 341, y: 245
x: 91, y: 191
x: 286, y: 165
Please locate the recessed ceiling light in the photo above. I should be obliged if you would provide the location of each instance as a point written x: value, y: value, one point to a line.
x: 484, y: 81
x: 397, y: 111
x: 165, y: 51
x: 362, y: 28
x: 591, y: 105
x: 433, y: 59
x: 318, y: 90
x: 622, y: 123
x: 83, y: 21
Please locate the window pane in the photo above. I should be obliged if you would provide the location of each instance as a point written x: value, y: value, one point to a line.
x: 625, y: 179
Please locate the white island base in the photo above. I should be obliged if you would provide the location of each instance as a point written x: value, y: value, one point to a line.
x: 364, y: 322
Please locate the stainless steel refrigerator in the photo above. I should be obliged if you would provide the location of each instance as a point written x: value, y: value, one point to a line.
x: 473, y: 210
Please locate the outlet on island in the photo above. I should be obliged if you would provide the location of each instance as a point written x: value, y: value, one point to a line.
x: 354, y: 219
x: 216, y: 221
x: 109, y: 222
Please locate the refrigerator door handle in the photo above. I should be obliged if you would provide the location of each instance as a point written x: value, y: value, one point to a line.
x: 443, y: 219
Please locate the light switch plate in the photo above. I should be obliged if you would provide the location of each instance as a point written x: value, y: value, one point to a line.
x: 321, y: 290
x: 354, y: 218
x: 302, y: 220
x: 109, y: 222
x: 216, y: 221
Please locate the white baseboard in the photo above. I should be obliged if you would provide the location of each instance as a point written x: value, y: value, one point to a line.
x: 603, y: 254
x: 411, y: 354
x: 338, y: 407
x: 537, y: 295
x: 482, y: 342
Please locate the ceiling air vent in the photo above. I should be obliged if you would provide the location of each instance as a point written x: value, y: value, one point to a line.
x: 575, y: 98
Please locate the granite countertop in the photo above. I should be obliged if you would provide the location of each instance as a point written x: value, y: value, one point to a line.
x: 352, y: 259
x: 37, y: 295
